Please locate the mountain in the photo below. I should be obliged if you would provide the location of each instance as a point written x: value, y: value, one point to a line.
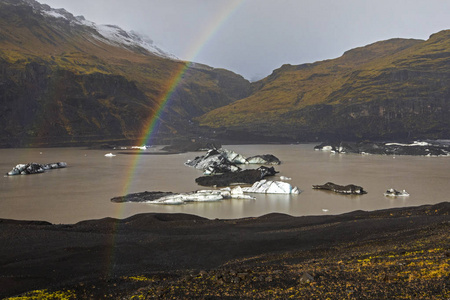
x: 394, y: 89
x: 68, y: 81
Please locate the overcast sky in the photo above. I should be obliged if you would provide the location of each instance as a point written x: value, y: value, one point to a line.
x: 254, y: 37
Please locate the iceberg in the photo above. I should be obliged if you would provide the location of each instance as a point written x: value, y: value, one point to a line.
x: 341, y: 189
x: 219, y: 161
x: 233, y: 157
x: 394, y: 193
x: 271, y: 187
x: 34, y: 168
x: 265, y: 159
x: 201, y: 196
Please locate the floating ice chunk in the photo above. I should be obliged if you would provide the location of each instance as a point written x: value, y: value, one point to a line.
x: 17, y: 169
x: 415, y: 143
x: 265, y: 159
x: 34, y: 168
x: 140, y: 147
x: 56, y: 165
x: 284, y: 178
x: 271, y: 187
x: 238, y: 193
x: 233, y: 157
x: 394, y: 193
x: 109, y: 155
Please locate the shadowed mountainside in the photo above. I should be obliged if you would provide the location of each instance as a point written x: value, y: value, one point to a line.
x: 67, y: 81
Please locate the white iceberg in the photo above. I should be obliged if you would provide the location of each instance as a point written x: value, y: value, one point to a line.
x: 271, y: 187
x: 202, y: 196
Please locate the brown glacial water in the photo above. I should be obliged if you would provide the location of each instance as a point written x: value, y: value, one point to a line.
x: 83, y: 190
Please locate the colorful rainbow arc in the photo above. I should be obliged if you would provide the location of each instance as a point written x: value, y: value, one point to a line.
x: 215, y: 24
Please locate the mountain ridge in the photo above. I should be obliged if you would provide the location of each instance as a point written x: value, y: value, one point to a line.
x: 394, y: 89
x: 67, y: 81
x: 48, y: 66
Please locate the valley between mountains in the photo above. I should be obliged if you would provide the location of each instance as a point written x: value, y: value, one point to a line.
x: 66, y: 81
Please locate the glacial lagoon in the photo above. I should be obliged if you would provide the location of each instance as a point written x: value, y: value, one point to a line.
x: 83, y: 190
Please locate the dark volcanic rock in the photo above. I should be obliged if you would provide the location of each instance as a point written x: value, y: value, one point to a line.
x: 347, y: 189
x: 202, y: 257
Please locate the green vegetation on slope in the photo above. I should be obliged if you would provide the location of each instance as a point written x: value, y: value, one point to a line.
x: 63, y: 84
x: 392, y: 89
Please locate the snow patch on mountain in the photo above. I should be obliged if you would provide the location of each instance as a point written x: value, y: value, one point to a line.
x: 117, y: 35
x: 111, y: 34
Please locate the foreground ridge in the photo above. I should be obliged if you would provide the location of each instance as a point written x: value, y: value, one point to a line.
x: 395, y: 253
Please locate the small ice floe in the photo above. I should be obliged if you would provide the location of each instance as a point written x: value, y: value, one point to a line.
x: 57, y: 165
x: 265, y: 159
x: 284, y: 178
x: 144, y: 147
x: 34, y: 168
x: 415, y: 143
x: 109, y: 155
x: 325, y: 148
x: 394, y: 193
x: 349, y: 189
x: 271, y: 187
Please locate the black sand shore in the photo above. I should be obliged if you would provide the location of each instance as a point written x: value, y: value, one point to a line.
x: 387, y: 254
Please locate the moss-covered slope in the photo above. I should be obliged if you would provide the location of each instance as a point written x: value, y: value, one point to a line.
x: 398, y: 88
x: 63, y: 83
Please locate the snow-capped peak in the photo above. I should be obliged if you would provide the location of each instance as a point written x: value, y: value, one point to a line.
x: 111, y: 34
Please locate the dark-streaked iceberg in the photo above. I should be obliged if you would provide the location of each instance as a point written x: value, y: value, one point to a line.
x: 34, y: 168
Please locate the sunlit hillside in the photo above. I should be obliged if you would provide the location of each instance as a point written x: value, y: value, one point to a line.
x: 399, y: 88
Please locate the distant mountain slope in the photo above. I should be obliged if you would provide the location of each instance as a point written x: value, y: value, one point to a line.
x: 397, y: 88
x: 67, y: 81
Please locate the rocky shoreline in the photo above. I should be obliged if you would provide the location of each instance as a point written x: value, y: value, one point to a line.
x: 396, y: 253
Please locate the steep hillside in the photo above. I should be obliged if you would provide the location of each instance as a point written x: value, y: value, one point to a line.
x: 398, y: 88
x: 68, y: 81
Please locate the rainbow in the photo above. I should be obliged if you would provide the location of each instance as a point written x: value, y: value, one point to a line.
x: 215, y: 22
